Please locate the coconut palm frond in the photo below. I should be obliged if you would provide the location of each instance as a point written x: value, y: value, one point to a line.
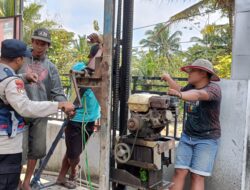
x: 195, y: 9
x: 196, y: 39
x: 188, y: 12
x: 224, y: 3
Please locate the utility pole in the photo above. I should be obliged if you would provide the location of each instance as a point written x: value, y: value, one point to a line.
x: 106, y: 95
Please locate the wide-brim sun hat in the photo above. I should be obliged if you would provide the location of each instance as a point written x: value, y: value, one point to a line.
x: 204, y: 65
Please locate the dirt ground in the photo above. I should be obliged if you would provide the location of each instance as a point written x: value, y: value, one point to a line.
x: 48, y: 181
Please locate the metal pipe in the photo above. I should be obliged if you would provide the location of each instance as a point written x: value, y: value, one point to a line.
x: 14, y: 33
x: 116, y: 83
x: 21, y: 21
x: 128, y: 10
x: 116, y: 79
x: 36, y: 179
x: 175, y: 122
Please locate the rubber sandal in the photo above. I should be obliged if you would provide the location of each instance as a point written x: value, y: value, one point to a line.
x: 67, y: 184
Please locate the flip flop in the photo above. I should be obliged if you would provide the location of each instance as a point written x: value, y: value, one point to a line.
x: 67, y: 184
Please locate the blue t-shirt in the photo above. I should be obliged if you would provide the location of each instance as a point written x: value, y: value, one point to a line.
x: 91, y: 110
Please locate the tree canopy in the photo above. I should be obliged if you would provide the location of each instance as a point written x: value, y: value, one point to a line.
x: 161, y: 45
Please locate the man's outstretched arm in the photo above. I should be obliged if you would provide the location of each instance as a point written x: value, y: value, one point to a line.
x: 171, y: 82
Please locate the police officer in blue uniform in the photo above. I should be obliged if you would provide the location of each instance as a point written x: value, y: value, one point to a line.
x: 14, y: 105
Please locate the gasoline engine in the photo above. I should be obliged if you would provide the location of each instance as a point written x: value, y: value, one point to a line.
x: 140, y: 155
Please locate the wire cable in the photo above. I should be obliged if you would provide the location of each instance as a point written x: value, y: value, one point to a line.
x: 85, y: 132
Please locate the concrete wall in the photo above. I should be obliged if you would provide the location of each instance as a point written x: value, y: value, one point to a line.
x: 241, y: 41
x: 93, y: 150
x: 230, y: 167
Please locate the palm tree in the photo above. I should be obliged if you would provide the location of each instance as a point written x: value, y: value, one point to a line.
x: 81, y: 48
x: 81, y: 44
x: 161, y: 41
x: 215, y: 37
x: 227, y: 7
x: 31, y: 21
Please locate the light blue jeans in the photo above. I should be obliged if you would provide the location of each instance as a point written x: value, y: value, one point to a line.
x: 196, y: 155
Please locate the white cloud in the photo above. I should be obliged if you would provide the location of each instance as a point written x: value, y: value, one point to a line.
x: 75, y: 15
x: 154, y: 11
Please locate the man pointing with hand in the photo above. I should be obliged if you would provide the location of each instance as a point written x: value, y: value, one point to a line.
x: 199, y: 141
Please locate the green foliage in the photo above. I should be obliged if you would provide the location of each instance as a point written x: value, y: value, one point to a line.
x: 151, y: 64
x: 215, y: 45
x: 227, y: 7
x: 215, y: 37
x: 161, y: 41
x: 6, y: 8
x: 201, y: 51
x: 61, y: 52
x: 65, y: 50
x: 219, y: 57
x: 223, y: 66
x: 32, y: 21
x: 143, y: 175
x: 96, y: 26
x: 81, y: 48
x: 163, y: 54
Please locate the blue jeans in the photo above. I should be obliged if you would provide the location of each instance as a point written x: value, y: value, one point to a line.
x: 196, y: 155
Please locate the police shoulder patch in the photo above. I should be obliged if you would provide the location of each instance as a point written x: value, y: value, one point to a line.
x: 19, y: 85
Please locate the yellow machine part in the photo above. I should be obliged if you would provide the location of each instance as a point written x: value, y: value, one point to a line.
x: 139, y: 102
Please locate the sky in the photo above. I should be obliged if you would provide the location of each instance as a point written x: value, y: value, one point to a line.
x: 78, y: 16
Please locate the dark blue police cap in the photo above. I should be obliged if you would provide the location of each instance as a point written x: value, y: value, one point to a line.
x: 13, y: 48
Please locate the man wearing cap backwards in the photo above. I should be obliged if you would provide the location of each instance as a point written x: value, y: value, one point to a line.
x: 14, y: 105
x: 198, y: 145
x: 46, y: 85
